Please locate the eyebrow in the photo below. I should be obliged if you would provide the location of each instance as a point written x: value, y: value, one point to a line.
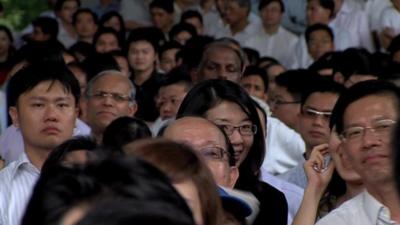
x: 316, y: 109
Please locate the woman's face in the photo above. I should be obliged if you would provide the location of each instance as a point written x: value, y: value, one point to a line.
x: 141, y: 56
x: 107, y: 42
x: 227, y: 114
x: 188, y: 190
x: 342, y: 165
x: 4, y: 43
x: 114, y: 23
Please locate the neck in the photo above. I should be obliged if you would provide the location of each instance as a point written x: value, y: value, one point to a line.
x: 69, y: 28
x: 240, y: 26
x: 386, y: 193
x: 142, y: 76
x: 271, y: 29
x: 98, y: 136
x: 37, y: 156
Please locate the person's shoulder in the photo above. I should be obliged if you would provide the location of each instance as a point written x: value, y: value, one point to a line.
x: 269, y: 192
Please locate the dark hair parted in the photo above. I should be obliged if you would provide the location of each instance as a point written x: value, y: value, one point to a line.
x: 124, y: 130
x: 296, y: 82
x: 30, y: 76
x: 361, y: 90
x: 182, y: 27
x: 318, y: 27
x: 327, y: 4
x: 122, y: 179
x: 47, y: 25
x: 264, y: 3
x: 257, y: 71
x: 82, y: 11
x: 166, y: 5
x: 108, y: 30
x: 208, y: 94
x: 181, y: 163
x: 191, y: 14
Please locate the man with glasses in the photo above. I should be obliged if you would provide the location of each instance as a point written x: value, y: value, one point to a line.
x: 365, y: 116
x: 316, y: 109
x: 210, y: 142
x: 109, y: 95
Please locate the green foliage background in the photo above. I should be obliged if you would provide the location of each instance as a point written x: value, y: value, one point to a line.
x: 19, y: 13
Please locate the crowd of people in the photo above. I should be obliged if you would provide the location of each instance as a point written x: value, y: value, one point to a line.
x: 202, y: 112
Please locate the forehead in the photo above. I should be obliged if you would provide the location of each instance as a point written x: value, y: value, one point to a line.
x: 321, y: 100
x: 47, y: 89
x: 173, y: 89
x: 142, y: 44
x: 319, y: 33
x: 196, y: 133
x: 282, y: 91
x: 227, y: 111
x: 108, y: 37
x: 111, y: 82
x: 84, y: 15
x: 223, y: 55
x: 373, y: 107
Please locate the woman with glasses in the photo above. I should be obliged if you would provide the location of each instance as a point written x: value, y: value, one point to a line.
x: 228, y: 105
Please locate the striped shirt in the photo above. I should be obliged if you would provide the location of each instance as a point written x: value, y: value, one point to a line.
x: 16, y: 184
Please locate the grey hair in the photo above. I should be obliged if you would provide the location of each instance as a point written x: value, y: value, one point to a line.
x: 91, y: 82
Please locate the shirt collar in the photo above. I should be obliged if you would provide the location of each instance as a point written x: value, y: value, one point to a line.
x: 23, y: 163
x: 375, y: 210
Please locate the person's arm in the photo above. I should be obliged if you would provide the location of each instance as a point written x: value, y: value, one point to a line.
x: 318, y: 179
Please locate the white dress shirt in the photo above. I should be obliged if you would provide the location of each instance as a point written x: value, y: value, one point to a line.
x: 253, y: 27
x: 279, y: 45
x: 390, y: 18
x: 16, y: 181
x: 296, y: 176
x: 353, y: 19
x: 293, y: 193
x: 64, y: 37
x: 374, y: 9
x: 284, y: 148
x: 302, y: 58
x: 12, y: 144
x: 363, y: 209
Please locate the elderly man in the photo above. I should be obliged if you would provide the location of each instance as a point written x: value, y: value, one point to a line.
x: 365, y: 116
x: 109, y: 95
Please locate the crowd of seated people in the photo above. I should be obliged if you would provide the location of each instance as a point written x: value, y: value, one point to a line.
x: 206, y: 112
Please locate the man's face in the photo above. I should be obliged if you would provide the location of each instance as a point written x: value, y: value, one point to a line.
x: 314, y: 118
x: 285, y: 107
x: 254, y: 86
x: 38, y: 35
x: 161, y: 19
x: 271, y: 14
x: 370, y: 153
x: 316, y: 13
x: 46, y: 116
x: 320, y: 43
x: 142, y: 56
x: 203, y: 136
x: 106, y: 43
x: 167, y: 61
x: 103, y: 105
x: 85, y: 25
x: 170, y: 98
x: 222, y: 63
x: 234, y: 13
x: 67, y: 11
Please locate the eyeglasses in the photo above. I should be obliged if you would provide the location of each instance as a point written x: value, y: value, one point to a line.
x: 379, y: 128
x: 214, y: 153
x: 275, y: 101
x: 115, y: 96
x: 245, y: 130
x: 312, y: 113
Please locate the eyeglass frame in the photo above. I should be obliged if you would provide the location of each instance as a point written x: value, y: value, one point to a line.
x: 232, y: 128
x: 117, y: 97
x: 223, y: 152
x: 315, y: 113
x: 364, y: 128
x: 275, y: 101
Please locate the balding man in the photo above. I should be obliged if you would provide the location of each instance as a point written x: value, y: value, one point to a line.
x: 211, y: 142
x: 109, y: 95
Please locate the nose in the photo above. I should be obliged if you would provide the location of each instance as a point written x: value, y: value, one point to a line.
x: 319, y: 120
x: 50, y: 113
x: 236, y: 138
x: 370, y: 139
x: 107, y: 101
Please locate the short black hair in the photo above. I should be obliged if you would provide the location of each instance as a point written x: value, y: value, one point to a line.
x: 191, y: 14
x: 177, y: 76
x: 327, y: 4
x: 327, y: 61
x: 48, y: 26
x: 169, y: 45
x: 358, y: 91
x: 83, y: 48
x: 264, y: 3
x: 84, y: 10
x: 354, y: 61
x: 255, y: 70
x: 59, y: 4
x: 318, y: 27
x: 107, y: 16
x: 252, y: 55
x: 152, y: 35
x: 124, y: 130
x: 30, y: 76
x: 296, y: 82
x: 166, y: 5
x: 323, y: 84
x: 107, y: 30
x: 181, y: 27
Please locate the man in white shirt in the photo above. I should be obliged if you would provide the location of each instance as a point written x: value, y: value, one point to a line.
x: 44, y: 105
x: 237, y: 16
x: 272, y: 39
x: 364, y: 117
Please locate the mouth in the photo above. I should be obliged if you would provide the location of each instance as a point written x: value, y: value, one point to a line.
x: 372, y: 159
x: 317, y: 134
x: 50, y: 130
x: 106, y: 113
